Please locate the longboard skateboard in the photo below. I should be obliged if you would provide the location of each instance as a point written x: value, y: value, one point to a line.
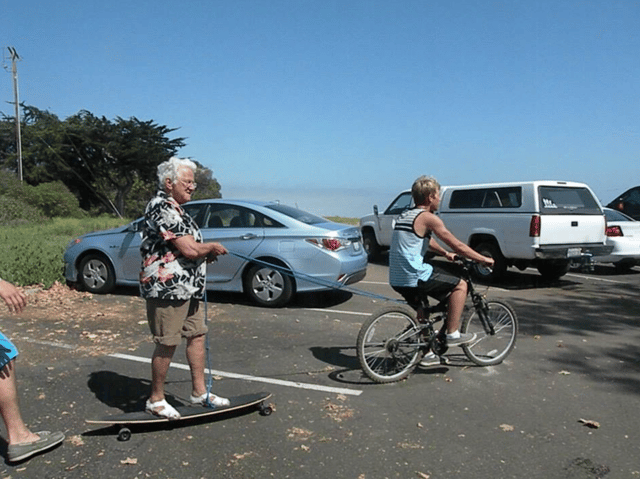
x: 186, y: 412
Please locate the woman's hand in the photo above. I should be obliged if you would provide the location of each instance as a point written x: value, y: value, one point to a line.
x: 16, y: 300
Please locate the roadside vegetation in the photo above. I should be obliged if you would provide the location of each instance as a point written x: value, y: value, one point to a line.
x: 342, y: 219
x: 81, y: 174
x: 38, y: 222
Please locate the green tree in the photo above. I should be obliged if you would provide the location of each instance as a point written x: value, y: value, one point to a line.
x: 99, y: 160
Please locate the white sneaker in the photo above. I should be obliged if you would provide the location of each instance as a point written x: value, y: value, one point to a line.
x: 430, y: 359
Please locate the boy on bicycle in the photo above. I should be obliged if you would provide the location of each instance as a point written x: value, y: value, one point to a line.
x: 410, y: 274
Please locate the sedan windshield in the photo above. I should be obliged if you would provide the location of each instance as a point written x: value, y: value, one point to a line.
x: 613, y: 215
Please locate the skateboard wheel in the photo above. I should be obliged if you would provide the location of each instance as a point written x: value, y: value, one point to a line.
x: 265, y: 410
x: 124, y: 434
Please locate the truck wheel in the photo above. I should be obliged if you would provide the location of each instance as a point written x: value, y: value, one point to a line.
x: 371, y: 246
x: 500, y: 264
x: 553, y: 269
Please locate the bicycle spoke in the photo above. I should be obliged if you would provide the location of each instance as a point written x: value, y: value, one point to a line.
x: 488, y: 348
x: 389, y: 344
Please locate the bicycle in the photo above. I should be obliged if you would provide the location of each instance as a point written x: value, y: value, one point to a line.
x: 394, y: 339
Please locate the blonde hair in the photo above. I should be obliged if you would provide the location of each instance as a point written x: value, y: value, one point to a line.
x: 169, y: 169
x: 424, y: 187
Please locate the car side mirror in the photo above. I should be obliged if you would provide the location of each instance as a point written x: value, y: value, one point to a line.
x: 135, y: 226
x: 375, y: 210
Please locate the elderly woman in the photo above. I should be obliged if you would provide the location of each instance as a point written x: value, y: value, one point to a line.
x: 172, y: 282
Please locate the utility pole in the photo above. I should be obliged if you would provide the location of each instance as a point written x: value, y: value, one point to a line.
x: 14, y: 70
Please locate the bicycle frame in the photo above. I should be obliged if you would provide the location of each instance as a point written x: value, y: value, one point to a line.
x: 394, y: 339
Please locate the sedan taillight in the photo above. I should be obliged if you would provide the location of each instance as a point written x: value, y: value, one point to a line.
x: 331, y: 244
x: 614, y: 231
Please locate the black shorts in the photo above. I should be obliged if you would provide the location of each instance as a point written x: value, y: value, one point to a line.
x: 438, y: 286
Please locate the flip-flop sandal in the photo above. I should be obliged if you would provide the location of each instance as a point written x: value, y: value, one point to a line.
x: 162, y: 409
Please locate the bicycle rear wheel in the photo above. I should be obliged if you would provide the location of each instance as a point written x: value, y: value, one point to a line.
x: 389, y: 345
x: 488, y: 349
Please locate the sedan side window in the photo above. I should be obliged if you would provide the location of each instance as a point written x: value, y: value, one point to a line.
x: 231, y: 216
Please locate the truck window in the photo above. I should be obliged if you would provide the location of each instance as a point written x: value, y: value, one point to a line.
x: 400, y: 204
x: 567, y: 201
x: 508, y: 197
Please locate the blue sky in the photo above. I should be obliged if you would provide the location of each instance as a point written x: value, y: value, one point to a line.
x: 336, y: 105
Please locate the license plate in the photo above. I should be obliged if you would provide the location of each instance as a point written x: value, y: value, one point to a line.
x: 573, y: 252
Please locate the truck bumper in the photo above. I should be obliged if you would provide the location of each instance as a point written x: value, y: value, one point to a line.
x: 572, y: 252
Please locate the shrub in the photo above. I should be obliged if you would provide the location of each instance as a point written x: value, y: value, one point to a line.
x: 53, y: 199
x: 33, y: 253
x: 15, y: 212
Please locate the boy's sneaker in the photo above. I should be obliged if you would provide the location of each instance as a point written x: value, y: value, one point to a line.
x: 463, y: 339
x: 430, y: 359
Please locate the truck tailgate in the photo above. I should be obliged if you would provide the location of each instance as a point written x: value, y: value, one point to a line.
x: 571, y: 229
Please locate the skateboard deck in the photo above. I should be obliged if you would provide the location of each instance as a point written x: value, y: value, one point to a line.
x: 186, y: 413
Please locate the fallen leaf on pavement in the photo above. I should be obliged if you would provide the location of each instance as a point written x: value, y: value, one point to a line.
x: 589, y: 423
x: 76, y: 440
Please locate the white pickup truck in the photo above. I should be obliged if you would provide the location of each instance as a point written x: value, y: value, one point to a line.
x: 545, y: 224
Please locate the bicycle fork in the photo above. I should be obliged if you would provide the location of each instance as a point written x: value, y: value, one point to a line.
x: 483, y: 313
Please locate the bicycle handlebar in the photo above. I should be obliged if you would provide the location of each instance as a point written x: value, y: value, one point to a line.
x: 467, y: 263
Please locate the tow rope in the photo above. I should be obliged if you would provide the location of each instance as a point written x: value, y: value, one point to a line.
x: 321, y: 282
x: 294, y: 274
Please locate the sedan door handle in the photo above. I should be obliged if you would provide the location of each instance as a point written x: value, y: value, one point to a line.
x: 248, y: 236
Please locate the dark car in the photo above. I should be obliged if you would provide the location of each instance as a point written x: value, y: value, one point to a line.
x: 628, y: 203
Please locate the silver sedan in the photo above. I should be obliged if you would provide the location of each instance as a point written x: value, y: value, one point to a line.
x: 274, y: 251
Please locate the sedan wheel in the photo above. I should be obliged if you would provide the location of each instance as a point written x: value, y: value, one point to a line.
x: 268, y: 286
x: 96, y: 274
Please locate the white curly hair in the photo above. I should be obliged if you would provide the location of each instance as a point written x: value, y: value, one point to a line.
x: 169, y: 169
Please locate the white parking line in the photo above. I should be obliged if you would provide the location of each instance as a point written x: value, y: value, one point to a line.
x: 246, y: 377
x: 596, y: 279
x: 357, y: 313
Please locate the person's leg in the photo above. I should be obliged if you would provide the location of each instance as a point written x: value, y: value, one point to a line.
x: 196, y: 358
x: 445, y: 286
x: 195, y: 330
x: 160, y: 363
x: 165, y: 319
x: 456, y: 305
x: 17, y: 431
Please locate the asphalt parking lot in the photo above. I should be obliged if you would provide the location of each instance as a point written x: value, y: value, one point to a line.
x: 563, y: 405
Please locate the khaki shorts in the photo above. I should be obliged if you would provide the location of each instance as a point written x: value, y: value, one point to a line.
x: 171, y: 320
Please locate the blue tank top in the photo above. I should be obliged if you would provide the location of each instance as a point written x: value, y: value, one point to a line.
x: 406, y: 254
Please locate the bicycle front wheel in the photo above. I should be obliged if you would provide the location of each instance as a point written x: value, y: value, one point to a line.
x: 488, y: 349
x: 389, y: 345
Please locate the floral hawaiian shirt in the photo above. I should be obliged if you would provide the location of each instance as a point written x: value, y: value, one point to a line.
x: 166, y: 273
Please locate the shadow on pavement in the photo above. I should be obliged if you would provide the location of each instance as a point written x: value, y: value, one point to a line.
x: 118, y: 391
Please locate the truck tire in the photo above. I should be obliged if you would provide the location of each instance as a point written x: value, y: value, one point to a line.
x: 553, y: 269
x: 500, y: 264
x: 371, y: 246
